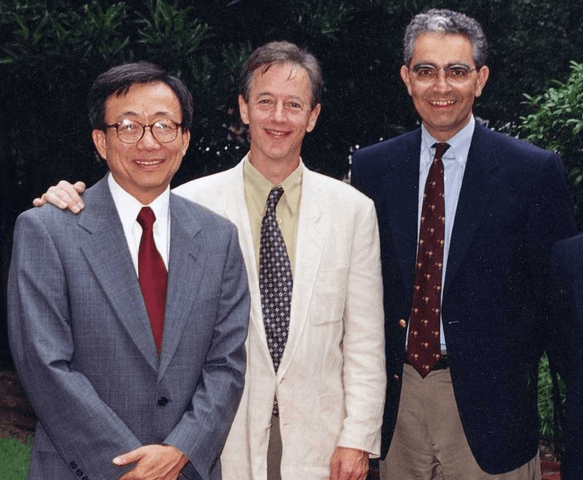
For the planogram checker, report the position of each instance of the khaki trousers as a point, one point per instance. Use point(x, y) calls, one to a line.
point(429, 442)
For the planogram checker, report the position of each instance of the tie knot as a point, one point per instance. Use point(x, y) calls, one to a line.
point(146, 218)
point(440, 149)
point(274, 197)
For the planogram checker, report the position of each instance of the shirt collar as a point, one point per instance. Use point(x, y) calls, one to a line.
point(459, 144)
point(255, 180)
point(128, 207)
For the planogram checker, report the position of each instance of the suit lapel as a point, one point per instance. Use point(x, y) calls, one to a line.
point(185, 272)
point(108, 255)
point(311, 237)
point(479, 182)
point(401, 194)
point(236, 210)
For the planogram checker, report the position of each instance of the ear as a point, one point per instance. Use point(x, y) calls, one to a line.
point(483, 75)
point(100, 142)
point(314, 117)
point(406, 78)
point(185, 141)
point(244, 110)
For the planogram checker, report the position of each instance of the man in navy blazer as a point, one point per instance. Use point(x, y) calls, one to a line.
point(114, 397)
point(474, 415)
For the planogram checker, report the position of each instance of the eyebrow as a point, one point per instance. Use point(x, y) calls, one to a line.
point(288, 97)
point(130, 113)
point(446, 66)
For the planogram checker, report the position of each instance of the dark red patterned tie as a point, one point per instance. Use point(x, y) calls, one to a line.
point(423, 348)
point(153, 276)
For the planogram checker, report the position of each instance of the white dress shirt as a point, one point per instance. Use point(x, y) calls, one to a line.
point(128, 209)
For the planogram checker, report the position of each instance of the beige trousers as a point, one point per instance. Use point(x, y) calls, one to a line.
point(429, 442)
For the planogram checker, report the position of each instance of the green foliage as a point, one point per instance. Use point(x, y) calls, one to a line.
point(557, 124)
point(172, 33)
point(55, 32)
point(325, 19)
point(14, 458)
point(545, 399)
point(51, 51)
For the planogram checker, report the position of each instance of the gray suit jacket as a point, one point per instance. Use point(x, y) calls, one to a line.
point(82, 343)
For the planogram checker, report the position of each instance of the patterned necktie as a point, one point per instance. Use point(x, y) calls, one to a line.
point(275, 282)
point(423, 348)
point(153, 276)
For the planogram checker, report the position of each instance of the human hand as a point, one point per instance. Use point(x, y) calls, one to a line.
point(153, 462)
point(63, 195)
point(348, 464)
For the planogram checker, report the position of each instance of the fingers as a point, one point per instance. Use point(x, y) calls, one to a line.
point(63, 195)
point(127, 458)
point(153, 462)
point(349, 464)
point(79, 186)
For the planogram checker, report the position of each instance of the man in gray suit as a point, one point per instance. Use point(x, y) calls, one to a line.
point(122, 386)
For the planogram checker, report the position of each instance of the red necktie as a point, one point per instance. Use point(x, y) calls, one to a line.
point(423, 348)
point(153, 276)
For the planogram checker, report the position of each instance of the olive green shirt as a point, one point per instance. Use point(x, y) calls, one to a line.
point(257, 189)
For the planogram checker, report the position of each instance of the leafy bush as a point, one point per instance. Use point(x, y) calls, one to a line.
point(557, 125)
point(546, 407)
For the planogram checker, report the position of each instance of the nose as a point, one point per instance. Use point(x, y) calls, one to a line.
point(441, 82)
point(279, 112)
point(148, 141)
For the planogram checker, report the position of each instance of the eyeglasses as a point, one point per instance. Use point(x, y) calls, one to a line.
point(425, 73)
point(131, 131)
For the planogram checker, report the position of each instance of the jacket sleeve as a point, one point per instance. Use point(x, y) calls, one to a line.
point(364, 372)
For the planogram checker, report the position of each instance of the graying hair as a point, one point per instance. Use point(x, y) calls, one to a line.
point(278, 53)
point(446, 21)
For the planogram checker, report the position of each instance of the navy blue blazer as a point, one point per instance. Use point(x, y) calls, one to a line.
point(514, 205)
point(567, 269)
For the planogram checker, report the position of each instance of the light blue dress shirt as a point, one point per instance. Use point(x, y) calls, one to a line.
point(454, 163)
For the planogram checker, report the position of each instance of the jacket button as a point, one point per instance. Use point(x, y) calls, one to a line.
point(403, 323)
point(163, 401)
point(73, 465)
point(79, 473)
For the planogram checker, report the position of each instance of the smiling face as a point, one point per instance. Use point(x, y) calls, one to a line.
point(279, 114)
point(143, 169)
point(444, 107)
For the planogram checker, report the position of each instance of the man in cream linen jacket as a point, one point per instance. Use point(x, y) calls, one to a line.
point(331, 381)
